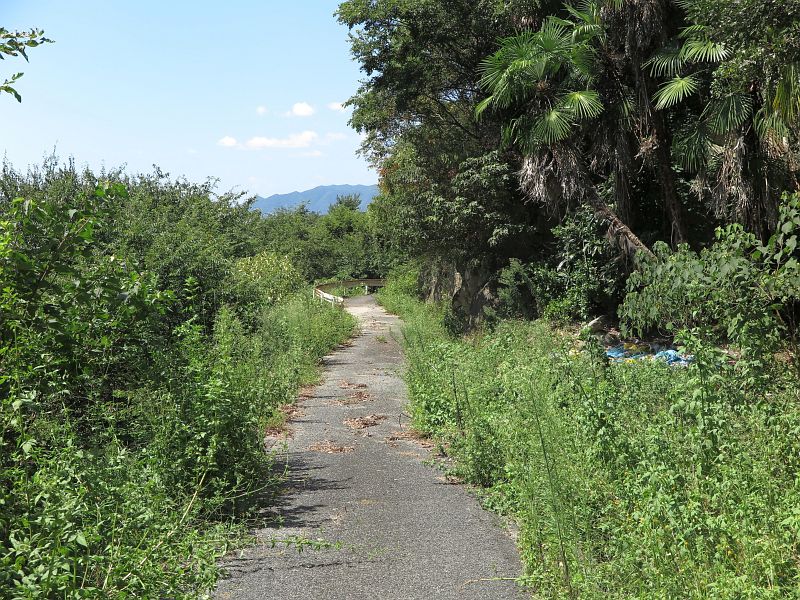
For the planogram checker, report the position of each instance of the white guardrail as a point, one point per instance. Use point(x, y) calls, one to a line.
point(324, 290)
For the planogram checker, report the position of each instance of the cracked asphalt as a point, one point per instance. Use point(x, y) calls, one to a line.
point(401, 530)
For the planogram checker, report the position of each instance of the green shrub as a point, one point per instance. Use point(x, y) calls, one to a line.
point(630, 480)
point(133, 413)
point(581, 278)
point(738, 291)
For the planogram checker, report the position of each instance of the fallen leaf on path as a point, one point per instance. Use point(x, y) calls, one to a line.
point(278, 432)
point(449, 480)
point(305, 393)
point(351, 399)
point(410, 435)
point(328, 447)
point(364, 422)
point(346, 385)
point(292, 411)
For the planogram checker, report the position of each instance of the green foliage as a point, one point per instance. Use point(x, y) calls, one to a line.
point(448, 191)
point(345, 243)
point(145, 347)
point(14, 44)
point(738, 290)
point(262, 281)
point(580, 280)
point(630, 480)
point(541, 71)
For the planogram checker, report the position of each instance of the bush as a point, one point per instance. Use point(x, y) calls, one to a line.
point(133, 414)
point(580, 279)
point(631, 480)
point(738, 291)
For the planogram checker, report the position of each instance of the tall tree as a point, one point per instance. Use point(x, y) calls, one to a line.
point(734, 72)
point(447, 189)
point(547, 83)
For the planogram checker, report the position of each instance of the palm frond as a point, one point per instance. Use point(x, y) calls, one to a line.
point(584, 104)
point(666, 63)
point(729, 113)
point(552, 126)
point(588, 23)
point(693, 31)
point(511, 73)
point(771, 127)
point(583, 60)
point(588, 13)
point(675, 90)
point(786, 100)
point(483, 105)
point(553, 37)
point(704, 50)
point(691, 147)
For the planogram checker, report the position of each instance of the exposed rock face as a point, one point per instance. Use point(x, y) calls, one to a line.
point(468, 288)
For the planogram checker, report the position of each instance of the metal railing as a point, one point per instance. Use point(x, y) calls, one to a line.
point(324, 290)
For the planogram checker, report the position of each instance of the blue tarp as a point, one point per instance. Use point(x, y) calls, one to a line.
point(629, 352)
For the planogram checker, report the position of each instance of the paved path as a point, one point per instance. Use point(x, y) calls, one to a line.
point(405, 532)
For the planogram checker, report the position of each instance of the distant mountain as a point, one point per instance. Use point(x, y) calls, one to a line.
point(318, 199)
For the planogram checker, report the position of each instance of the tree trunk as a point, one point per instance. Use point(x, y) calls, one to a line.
point(627, 240)
point(666, 178)
point(636, 50)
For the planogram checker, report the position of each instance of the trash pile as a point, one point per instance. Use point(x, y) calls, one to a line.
point(629, 352)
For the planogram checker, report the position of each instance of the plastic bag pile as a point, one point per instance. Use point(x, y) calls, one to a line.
point(628, 352)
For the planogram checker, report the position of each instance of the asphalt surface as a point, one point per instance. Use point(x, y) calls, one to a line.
point(403, 530)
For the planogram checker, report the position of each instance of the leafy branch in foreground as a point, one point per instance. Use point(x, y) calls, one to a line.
point(15, 44)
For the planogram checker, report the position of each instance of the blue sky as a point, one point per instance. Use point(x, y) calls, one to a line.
point(244, 91)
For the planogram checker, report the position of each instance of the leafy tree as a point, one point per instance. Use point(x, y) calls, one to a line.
point(448, 194)
point(548, 81)
point(735, 73)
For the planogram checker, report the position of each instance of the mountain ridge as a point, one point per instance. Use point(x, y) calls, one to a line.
point(316, 199)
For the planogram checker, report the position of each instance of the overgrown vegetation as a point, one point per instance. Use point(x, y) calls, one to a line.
point(631, 159)
point(344, 243)
point(501, 129)
point(634, 479)
point(147, 343)
point(564, 161)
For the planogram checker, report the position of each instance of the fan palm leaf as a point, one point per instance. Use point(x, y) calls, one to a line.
point(729, 113)
point(667, 63)
point(583, 104)
point(676, 90)
point(704, 50)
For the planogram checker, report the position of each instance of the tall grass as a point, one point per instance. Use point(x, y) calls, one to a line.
point(627, 480)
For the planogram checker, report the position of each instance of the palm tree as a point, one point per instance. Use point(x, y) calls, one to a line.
point(546, 83)
point(739, 138)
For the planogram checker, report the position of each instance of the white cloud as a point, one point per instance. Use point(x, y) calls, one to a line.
point(227, 142)
point(301, 109)
point(294, 140)
point(261, 110)
point(332, 137)
point(336, 106)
